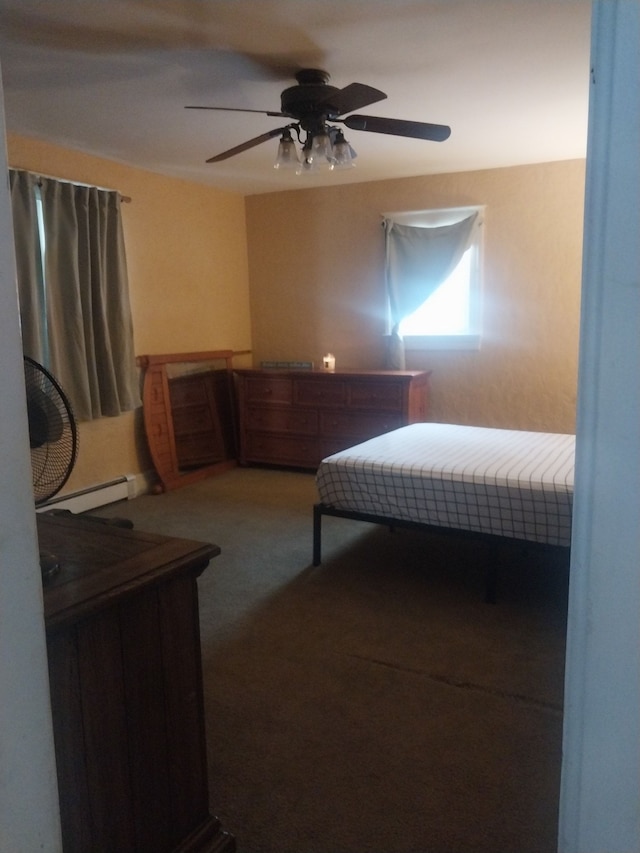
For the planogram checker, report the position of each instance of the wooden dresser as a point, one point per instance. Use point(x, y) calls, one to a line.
point(297, 417)
point(123, 643)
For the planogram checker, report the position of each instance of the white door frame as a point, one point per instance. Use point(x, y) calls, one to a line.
point(600, 789)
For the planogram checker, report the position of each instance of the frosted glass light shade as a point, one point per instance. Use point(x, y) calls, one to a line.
point(342, 153)
point(321, 148)
point(308, 163)
point(287, 157)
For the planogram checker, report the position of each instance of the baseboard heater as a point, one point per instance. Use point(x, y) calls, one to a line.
point(120, 489)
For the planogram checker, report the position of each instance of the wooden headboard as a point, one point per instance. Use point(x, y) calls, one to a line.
point(189, 415)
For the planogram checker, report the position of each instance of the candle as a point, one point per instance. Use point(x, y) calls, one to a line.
point(329, 361)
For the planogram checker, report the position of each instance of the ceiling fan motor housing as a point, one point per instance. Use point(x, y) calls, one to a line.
point(303, 101)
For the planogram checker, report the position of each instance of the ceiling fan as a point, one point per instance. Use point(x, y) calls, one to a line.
point(315, 106)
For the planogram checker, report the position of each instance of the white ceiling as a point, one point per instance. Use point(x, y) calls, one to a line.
point(112, 78)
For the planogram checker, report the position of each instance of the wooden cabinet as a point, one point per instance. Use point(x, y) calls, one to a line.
point(296, 418)
point(125, 674)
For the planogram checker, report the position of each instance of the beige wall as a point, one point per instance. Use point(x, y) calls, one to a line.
point(303, 276)
point(188, 278)
point(316, 272)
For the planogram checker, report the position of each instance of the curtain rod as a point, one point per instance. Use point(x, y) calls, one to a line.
point(123, 198)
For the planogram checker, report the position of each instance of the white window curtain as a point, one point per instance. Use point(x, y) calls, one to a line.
point(74, 293)
point(418, 260)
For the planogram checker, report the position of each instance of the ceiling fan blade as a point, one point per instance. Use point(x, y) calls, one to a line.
point(250, 143)
point(352, 97)
point(236, 110)
point(399, 127)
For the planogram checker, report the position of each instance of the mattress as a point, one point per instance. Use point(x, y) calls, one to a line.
point(509, 483)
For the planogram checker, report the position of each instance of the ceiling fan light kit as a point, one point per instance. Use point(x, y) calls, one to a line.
point(326, 148)
point(315, 106)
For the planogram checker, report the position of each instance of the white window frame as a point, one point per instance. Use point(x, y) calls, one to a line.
point(431, 218)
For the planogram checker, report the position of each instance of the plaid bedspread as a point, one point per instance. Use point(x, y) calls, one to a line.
point(509, 483)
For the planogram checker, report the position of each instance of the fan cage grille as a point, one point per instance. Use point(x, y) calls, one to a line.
point(53, 435)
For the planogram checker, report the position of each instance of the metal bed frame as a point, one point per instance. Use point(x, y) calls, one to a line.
point(493, 539)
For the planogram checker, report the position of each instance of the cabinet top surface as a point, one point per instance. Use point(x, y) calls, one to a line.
point(348, 373)
point(99, 562)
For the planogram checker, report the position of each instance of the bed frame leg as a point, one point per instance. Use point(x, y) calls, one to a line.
point(317, 534)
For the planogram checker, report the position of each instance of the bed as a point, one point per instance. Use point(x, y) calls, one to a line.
point(497, 483)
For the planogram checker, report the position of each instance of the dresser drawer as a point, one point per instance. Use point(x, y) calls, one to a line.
point(310, 392)
point(268, 389)
point(357, 425)
point(282, 450)
point(375, 395)
point(282, 419)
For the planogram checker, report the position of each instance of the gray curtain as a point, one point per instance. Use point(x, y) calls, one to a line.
point(418, 261)
point(89, 329)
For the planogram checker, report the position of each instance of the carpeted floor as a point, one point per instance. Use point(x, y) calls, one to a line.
point(374, 704)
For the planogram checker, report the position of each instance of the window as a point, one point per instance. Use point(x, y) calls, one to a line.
point(450, 315)
point(43, 329)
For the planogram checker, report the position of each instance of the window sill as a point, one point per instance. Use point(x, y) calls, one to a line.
point(441, 342)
